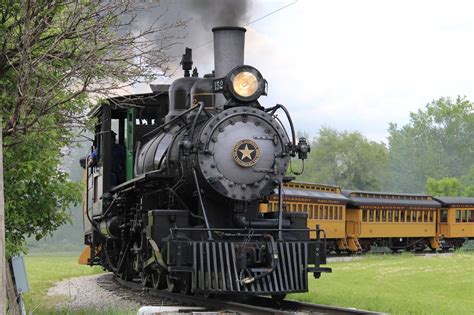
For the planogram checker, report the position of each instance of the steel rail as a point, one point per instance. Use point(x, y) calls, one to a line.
point(252, 305)
point(303, 307)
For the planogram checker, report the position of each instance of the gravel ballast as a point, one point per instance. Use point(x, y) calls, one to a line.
point(85, 293)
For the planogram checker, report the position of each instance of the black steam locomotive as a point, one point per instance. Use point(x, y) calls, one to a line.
point(176, 178)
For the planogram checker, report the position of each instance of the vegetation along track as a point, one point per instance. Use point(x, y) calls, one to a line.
point(134, 291)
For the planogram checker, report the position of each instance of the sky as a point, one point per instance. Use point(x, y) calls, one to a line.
point(356, 65)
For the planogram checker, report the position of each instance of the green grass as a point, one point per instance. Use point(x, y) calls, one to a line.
point(405, 284)
point(44, 271)
point(402, 284)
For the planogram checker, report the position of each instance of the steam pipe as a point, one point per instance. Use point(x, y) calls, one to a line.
point(201, 202)
point(280, 211)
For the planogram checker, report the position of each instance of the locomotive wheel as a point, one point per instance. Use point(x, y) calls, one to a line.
point(127, 273)
point(157, 280)
point(145, 278)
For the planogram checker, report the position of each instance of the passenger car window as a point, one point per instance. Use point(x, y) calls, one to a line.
point(458, 216)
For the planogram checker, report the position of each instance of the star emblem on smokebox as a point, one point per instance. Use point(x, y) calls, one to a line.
point(246, 153)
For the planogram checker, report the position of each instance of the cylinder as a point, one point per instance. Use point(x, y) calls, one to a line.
point(110, 228)
point(229, 44)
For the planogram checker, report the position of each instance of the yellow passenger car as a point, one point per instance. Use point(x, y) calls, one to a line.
point(397, 221)
point(456, 220)
point(324, 204)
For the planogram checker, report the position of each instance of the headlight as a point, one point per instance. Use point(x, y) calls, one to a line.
point(245, 83)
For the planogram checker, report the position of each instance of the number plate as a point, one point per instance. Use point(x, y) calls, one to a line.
point(218, 85)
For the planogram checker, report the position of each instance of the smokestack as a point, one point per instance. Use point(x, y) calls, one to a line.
point(228, 49)
point(229, 42)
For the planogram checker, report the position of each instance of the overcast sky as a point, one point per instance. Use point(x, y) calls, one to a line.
point(358, 65)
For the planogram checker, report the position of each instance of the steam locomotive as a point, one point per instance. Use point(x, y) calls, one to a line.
point(176, 178)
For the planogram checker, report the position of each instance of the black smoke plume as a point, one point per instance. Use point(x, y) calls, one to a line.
point(211, 13)
point(200, 16)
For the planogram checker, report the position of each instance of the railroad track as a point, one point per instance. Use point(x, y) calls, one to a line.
point(254, 305)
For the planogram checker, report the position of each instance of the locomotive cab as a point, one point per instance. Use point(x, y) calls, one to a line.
point(120, 123)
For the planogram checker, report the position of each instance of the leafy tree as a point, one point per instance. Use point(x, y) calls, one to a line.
point(450, 186)
point(55, 57)
point(346, 159)
point(437, 142)
point(447, 186)
point(38, 193)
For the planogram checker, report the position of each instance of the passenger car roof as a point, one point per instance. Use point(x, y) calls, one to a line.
point(451, 201)
point(367, 198)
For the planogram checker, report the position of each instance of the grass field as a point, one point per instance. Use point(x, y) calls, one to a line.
point(403, 284)
point(45, 270)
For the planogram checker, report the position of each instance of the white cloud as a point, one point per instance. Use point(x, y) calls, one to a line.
point(359, 65)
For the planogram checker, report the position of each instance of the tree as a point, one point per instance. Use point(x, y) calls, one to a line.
point(3, 277)
point(443, 187)
point(346, 159)
point(437, 142)
point(56, 57)
point(451, 186)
